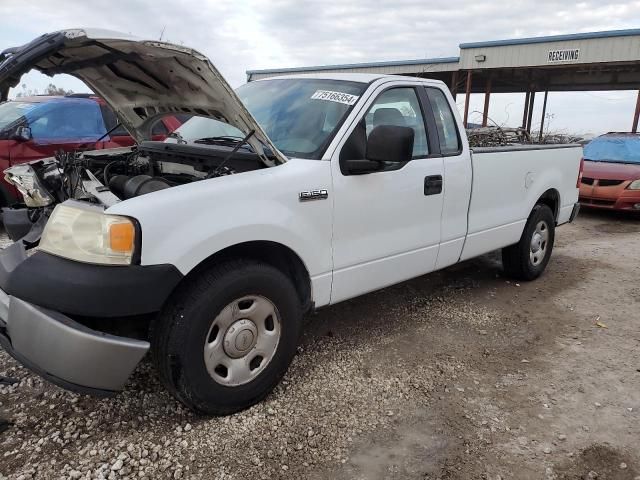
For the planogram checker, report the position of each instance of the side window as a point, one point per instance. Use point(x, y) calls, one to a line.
point(110, 121)
point(399, 107)
point(159, 128)
point(68, 121)
point(445, 122)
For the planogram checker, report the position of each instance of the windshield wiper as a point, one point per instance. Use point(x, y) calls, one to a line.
point(223, 140)
point(237, 143)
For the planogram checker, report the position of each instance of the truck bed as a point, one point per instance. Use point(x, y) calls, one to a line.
point(518, 148)
point(507, 183)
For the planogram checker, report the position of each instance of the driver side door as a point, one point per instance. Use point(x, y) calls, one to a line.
point(386, 225)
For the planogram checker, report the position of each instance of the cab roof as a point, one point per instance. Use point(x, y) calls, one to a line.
point(351, 77)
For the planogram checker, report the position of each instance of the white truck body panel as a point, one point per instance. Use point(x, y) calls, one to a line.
point(185, 225)
point(457, 192)
point(375, 230)
point(377, 240)
point(499, 208)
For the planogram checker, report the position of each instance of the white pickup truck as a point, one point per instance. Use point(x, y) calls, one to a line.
point(208, 250)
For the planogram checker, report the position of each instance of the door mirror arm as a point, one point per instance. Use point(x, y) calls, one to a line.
point(363, 166)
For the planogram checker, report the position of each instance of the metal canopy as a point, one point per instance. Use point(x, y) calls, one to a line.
point(566, 78)
point(592, 61)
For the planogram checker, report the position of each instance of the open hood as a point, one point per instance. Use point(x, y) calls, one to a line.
point(142, 80)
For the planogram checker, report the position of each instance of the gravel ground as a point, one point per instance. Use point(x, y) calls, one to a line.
point(455, 375)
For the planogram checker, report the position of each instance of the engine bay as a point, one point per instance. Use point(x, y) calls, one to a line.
point(106, 177)
point(109, 176)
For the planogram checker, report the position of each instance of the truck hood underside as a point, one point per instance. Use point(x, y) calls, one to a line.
point(141, 80)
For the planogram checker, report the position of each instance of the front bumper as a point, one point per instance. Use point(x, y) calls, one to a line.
point(86, 290)
point(55, 346)
point(65, 352)
point(628, 204)
point(617, 197)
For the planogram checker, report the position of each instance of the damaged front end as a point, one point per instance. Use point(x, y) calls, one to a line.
point(26, 221)
point(106, 177)
point(141, 81)
point(69, 310)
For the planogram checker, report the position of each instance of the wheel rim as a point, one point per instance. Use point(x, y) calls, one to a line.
point(242, 340)
point(539, 243)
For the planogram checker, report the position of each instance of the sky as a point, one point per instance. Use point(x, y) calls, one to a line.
point(242, 35)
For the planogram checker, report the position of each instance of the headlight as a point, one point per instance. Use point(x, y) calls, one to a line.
point(635, 185)
point(28, 184)
point(86, 234)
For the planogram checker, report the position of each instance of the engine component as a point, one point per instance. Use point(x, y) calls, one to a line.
point(108, 176)
point(96, 189)
point(128, 187)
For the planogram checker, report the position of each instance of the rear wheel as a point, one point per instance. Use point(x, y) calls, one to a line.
point(527, 259)
point(227, 336)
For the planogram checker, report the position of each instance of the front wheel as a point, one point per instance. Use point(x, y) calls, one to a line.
point(227, 337)
point(527, 259)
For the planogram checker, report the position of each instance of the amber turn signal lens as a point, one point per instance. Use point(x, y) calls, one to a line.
point(121, 237)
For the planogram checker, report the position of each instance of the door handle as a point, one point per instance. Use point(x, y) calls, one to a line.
point(433, 185)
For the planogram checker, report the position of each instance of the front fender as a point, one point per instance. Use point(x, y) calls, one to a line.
point(185, 225)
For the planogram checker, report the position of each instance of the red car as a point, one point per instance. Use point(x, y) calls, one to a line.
point(36, 127)
point(611, 175)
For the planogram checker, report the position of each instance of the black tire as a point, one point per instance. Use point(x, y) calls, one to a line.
point(517, 259)
point(179, 334)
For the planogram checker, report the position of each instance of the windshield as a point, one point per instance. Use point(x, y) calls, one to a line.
point(300, 116)
point(11, 112)
point(615, 149)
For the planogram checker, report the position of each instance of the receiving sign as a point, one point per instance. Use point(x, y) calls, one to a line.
point(566, 55)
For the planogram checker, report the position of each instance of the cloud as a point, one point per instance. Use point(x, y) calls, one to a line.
point(241, 35)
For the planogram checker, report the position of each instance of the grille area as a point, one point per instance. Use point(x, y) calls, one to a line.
point(587, 180)
point(595, 201)
point(609, 183)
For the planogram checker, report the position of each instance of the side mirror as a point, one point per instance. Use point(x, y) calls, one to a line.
point(22, 134)
point(386, 144)
point(389, 143)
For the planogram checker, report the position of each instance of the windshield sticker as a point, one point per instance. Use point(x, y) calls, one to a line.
point(337, 97)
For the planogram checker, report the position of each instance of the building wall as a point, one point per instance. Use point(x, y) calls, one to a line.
point(596, 50)
point(615, 48)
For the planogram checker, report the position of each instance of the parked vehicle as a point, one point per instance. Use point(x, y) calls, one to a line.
point(62, 174)
point(611, 177)
point(37, 127)
point(333, 186)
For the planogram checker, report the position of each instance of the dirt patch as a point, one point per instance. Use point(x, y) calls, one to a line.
point(600, 462)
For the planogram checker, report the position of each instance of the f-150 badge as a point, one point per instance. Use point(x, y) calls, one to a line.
point(313, 195)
